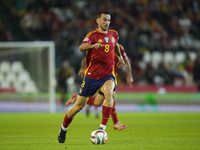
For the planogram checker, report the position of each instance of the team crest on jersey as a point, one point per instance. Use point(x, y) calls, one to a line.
point(106, 39)
point(112, 39)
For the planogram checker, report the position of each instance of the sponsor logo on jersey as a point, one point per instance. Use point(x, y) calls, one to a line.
point(100, 40)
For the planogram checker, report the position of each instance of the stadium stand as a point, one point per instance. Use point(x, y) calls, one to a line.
point(15, 78)
point(149, 30)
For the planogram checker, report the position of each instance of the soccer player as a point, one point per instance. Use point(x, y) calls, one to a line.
point(100, 46)
point(62, 74)
point(98, 99)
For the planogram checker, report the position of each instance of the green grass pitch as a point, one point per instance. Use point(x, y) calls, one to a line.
point(152, 131)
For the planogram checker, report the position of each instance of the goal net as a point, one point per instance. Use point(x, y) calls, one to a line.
point(27, 77)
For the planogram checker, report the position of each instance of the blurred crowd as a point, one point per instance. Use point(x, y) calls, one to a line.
point(143, 26)
point(5, 34)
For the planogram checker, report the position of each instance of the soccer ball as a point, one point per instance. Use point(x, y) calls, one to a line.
point(99, 137)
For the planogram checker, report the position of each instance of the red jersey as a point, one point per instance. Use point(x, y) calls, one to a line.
point(117, 59)
point(100, 62)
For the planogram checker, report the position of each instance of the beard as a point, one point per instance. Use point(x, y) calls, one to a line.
point(104, 28)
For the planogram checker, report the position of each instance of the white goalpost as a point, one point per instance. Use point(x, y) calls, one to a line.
point(27, 76)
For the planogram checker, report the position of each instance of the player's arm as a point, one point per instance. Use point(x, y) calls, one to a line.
point(129, 78)
point(86, 46)
point(121, 60)
point(83, 67)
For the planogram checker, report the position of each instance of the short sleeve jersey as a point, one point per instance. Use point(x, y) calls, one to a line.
point(100, 62)
point(117, 59)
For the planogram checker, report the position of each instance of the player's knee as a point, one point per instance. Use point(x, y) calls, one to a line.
point(98, 104)
point(78, 108)
point(108, 94)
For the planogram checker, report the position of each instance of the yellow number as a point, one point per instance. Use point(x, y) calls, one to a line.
point(106, 48)
point(83, 84)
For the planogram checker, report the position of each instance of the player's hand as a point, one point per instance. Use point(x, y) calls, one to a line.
point(121, 63)
point(129, 81)
point(81, 72)
point(98, 45)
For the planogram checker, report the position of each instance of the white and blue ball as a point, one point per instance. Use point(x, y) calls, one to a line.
point(99, 137)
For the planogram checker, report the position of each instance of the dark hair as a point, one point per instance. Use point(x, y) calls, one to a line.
point(102, 12)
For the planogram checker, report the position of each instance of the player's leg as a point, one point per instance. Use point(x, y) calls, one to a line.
point(71, 100)
point(89, 87)
point(96, 112)
point(65, 88)
point(107, 90)
point(63, 92)
point(89, 103)
point(88, 110)
point(117, 125)
point(62, 95)
point(97, 101)
point(79, 104)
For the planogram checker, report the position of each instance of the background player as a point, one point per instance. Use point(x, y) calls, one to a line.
point(62, 75)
